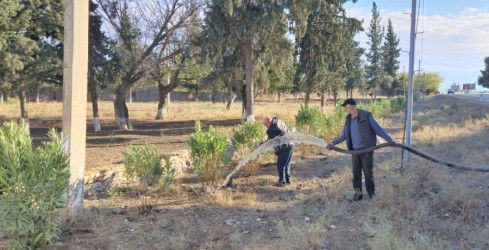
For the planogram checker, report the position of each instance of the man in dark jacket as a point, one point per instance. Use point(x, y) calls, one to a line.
point(360, 131)
point(276, 127)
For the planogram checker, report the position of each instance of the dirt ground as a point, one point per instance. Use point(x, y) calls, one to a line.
point(104, 148)
point(312, 213)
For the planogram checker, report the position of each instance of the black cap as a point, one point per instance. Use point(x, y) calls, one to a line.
point(350, 101)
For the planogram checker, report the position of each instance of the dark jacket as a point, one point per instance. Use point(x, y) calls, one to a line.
point(277, 128)
point(369, 138)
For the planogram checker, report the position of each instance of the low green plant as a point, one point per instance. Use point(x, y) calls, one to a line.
point(246, 136)
point(208, 153)
point(335, 122)
point(144, 164)
point(168, 172)
point(32, 186)
point(310, 120)
point(398, 104)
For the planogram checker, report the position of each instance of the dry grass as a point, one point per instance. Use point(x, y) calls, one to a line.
point(147, 111)
point(429, 207)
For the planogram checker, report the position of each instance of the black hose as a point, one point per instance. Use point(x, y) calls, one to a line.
point(281, 140)
point(448, 164)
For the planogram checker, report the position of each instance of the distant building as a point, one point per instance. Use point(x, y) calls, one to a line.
point(455, 87)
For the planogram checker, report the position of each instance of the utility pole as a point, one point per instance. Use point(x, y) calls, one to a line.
point(75, 70)
point(409, 115)
point(424, 85)
point(404, 81)
point(419, 89)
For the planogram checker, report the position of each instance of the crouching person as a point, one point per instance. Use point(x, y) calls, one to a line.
point(276, 127)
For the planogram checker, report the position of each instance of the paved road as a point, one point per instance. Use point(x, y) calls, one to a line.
point(477, 96)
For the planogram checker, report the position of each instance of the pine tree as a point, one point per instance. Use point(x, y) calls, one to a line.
point(373, 69)
point(324, 50)
point(31, 49)
point(484, 78)
point(391, 51)
point(390, 56)
point(245, 41)
point(354, 66)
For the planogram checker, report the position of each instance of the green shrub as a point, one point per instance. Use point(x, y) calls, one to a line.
point(246, 136)
point(168, 172)
point(335, 122)
point(398, 103)
point(143, 164)
point(208, 153)
point(32, 186)
point(310, 120)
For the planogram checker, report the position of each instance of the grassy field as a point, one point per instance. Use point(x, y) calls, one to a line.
point(429, 206)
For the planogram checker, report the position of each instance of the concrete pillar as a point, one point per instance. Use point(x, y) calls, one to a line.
point(75, 70)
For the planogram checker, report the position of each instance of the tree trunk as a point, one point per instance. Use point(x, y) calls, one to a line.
point(5, 95)
point(231, 100)
point(1, 97)
point(279, 97)
point(37, 96)
point(243, 103)
point(163, 100)
point(120, 108)
point(164, 92)
point(94, 97)
point(23, 111)
point(308, 94)
point(162, 107)
point(322, 103)
point(168, 101)
point(249, 80)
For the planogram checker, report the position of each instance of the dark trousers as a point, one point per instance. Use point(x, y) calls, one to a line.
point(284, 158)
point(363, 163)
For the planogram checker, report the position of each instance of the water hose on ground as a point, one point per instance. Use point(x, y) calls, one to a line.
point(300, 138)
point(414, 151)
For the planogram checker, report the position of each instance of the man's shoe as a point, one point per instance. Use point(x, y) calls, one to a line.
point(280, 184)
point(356, 197)
point(371, 196)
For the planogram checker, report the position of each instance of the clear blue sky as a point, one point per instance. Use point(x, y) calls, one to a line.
point(454, 39)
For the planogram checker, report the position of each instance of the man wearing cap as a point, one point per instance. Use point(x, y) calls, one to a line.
point(360, 132)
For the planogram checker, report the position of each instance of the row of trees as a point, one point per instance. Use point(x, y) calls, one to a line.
point(243, 47)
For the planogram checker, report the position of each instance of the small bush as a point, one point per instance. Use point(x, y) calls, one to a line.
point(144, 165)
point(246, 136)
point(335, 122)
point(398, 103)
point(32, 184)
point(310, 120)
point(208, 152)
point(168, 172)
